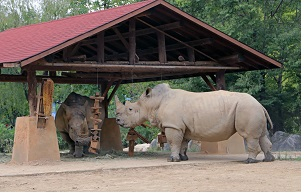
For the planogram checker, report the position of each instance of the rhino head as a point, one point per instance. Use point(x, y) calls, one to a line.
point(77, 126)
point(128, 115)
point(145, 109)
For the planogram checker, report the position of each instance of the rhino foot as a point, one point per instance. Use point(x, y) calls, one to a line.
point(173, 159)
point(77, 155)
point(268, 157)
point(250, 160)
point(183, 158)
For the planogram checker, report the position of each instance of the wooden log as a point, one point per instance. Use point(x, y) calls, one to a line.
point(32, 91)
point(100, 47)
point(220, 80)
point(208, 82)
point(162, 56)
point(132, 41)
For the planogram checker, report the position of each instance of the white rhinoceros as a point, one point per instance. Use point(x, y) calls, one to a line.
point(73, 121)
point(207, 116)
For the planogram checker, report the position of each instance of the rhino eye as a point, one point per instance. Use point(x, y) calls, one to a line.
point(130, 109)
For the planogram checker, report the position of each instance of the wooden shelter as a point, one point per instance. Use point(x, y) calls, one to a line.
point(145, 41)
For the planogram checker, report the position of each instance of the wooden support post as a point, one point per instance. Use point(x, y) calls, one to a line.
point(100, 47)
point(161, 47)
point(132, 41)
point(32, 91)
point(191, 55)
point(220, 80)
point(131, 137)
point(67, 53)
point(208, 82)
point(104, 103)
point(114, 90)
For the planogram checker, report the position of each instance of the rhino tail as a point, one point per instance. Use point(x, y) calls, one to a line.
point(268, 118)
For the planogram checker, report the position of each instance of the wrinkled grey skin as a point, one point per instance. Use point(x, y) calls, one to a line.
point(74, 123)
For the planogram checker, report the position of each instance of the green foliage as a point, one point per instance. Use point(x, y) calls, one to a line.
point(63, 145)
point(6, 139)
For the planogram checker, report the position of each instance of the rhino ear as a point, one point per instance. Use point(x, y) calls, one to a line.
point(64, 106)
point(149, 92)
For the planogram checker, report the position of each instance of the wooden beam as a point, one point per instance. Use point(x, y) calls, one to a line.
point(111, 67)
point(232, 59)
point(106, 90)
point(208, 82)
point(132, 41)
point(187, 45)
point(220, 80)
point(162, 56)
point(142, 32)
point(100, 47)
point(149, 51)
point(114, 90)
point(121, 38)
point(191, 55)
point(11, 65)
point(32, 91)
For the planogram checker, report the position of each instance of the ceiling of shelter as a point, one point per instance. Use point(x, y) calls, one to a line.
point(192, 48)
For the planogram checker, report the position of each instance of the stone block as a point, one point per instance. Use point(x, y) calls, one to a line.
point(35, 144)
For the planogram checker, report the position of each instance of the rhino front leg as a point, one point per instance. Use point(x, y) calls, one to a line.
point(174, 138)
point(66, 137)
point(183, 151)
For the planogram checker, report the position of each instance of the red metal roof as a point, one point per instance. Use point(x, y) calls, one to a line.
point(20, 43)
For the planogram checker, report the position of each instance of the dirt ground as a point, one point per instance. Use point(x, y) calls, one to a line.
point(151, 172)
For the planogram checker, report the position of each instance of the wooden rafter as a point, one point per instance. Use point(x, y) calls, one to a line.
point(177, 46)
point(187, 45)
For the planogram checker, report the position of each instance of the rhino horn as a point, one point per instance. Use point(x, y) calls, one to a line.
point(117, 102)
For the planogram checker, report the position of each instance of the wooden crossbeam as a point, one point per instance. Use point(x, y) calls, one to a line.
point(182, 42)
point(201, 42)
point(121, 38)
point(208, 82)
point(141, 32)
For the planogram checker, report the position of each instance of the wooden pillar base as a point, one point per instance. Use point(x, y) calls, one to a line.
point(35, 144)
point(110, 136)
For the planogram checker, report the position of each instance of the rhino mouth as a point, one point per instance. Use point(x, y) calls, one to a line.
point(82, 141)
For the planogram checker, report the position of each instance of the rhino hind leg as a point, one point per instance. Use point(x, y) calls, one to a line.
point(174, 138)
point(183, 151)
point(254, 149)
point(266, 147)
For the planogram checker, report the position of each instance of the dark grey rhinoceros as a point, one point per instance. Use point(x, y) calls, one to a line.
point(73, 121)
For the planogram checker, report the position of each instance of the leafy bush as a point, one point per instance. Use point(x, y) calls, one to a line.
point(63, 145)
point(6, 139)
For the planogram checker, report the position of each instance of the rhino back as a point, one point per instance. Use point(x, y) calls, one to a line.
point(203, 116)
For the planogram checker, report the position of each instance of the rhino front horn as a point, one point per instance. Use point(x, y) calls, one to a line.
point(117, 102)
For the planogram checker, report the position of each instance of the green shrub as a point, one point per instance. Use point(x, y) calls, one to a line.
point(6, 139)
point(63, 145)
